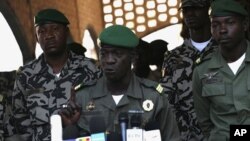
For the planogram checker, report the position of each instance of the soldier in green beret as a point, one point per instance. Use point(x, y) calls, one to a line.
point(119, 90)
point(221, 83)
point(180, 62)
point(43, 86)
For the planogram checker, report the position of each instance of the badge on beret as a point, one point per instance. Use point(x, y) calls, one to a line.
point(90, 106)
point(148, 105)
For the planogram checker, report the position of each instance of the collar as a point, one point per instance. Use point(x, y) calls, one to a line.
point(133, 91)
point(217, 59)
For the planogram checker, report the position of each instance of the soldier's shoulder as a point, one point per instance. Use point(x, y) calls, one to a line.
point(27, 68)
point(200, 61)
point(151, 85)
point(206, 56)
point(84, 85)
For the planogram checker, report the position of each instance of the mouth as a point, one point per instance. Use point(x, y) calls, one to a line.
point(190, 20)
point(224, 40)
point(50, 44)
point(109, 71)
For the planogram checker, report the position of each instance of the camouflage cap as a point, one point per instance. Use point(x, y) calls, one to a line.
point(119, 36)
point(50, 15)
point(195, 3)
point(227, 8)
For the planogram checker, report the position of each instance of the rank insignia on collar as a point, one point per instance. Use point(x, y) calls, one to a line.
point(197, 61)
point(210, 75)
point(147, 105)
point(90, 106)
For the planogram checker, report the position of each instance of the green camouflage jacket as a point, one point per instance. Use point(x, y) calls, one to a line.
point(178, 67)
point(38, 93)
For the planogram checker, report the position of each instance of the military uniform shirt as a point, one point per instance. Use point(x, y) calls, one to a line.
point(220, 97)
point(178, 66)
point(38, 93)
point(139, 91)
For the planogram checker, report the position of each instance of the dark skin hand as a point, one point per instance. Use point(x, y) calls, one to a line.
point(70, 114)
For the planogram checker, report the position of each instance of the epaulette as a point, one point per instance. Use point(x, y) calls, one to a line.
point(159, 88)
point(78, 87)
point(153, 85)
point(84, 85)
point(200, 61)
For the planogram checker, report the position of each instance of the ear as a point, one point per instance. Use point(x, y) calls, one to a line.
point(36, 35)
point(246, 24)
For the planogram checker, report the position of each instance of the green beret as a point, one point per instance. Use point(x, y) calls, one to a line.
point(50, 15)
point(195, 3)
point(120, 36)
point(227, 8)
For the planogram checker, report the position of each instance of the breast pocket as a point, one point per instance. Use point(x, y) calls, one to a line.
point(216, 93)
point(209, 90)
point(37, 104)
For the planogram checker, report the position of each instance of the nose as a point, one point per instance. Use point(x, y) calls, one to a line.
point(110, 59)
point(49, 34)
point(223, 29)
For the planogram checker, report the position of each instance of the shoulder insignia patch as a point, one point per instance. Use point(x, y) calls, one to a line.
point(84, 85)
point(78, 87)
point(159, 88)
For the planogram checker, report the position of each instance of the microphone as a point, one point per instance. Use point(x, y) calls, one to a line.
point(97, 128)
point(114, 136)
point(135, 121)
point(152, 132)
point(123, 121)
point(56, 128)
point(70, 132)
point(136, 133)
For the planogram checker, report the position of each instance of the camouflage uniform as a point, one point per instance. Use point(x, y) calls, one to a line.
point(38, 93)
point(6, 87)
point(177, 81)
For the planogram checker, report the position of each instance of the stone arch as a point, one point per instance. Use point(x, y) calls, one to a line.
point(18, 32)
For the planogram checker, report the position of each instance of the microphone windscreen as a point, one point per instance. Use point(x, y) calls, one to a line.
point(97, 124)
point(152, 125)
point(123, 117)
point(56, 127)
point(70, 132)
point(114, 136)
point(135, 120)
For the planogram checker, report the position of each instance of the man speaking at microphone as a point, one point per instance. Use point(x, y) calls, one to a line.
point(119, 90)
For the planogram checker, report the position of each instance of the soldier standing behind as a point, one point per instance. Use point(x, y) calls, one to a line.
point(221, 84)
point(119, 90)
point(44, 85)
point(178, 66)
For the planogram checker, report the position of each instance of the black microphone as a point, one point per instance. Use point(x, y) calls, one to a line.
point(135, 121)
point(70, 132)
point(136, 133)
point(97, 128)
point(97, 124)
point(123, 121)
point(114, 136)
